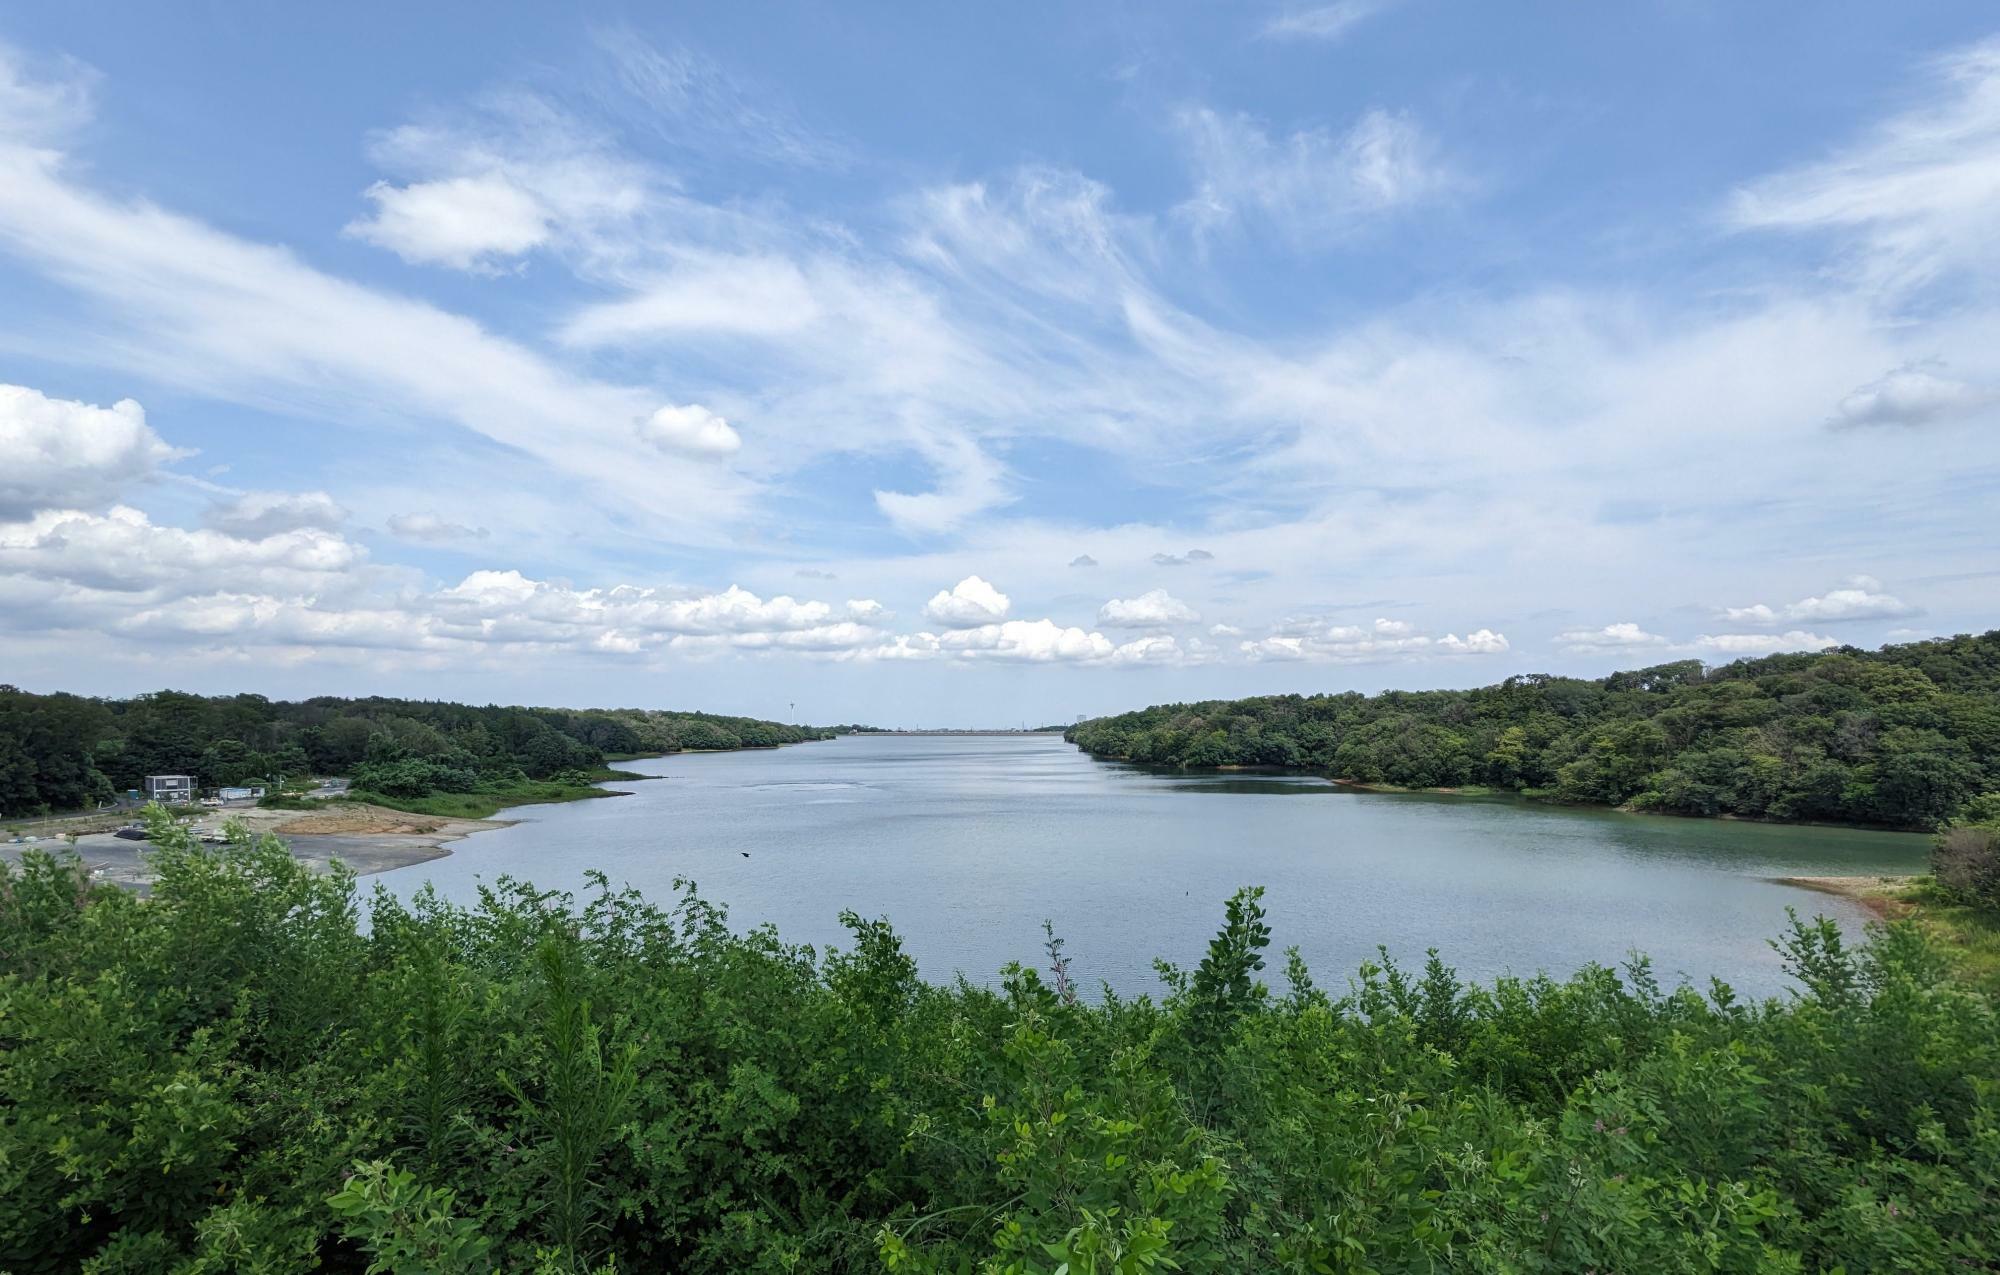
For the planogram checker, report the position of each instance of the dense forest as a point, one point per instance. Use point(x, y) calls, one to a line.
point(67, 752)
point(1904, 737)
point(236, 1076)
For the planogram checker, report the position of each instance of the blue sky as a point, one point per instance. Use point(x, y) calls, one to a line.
point(991, 364)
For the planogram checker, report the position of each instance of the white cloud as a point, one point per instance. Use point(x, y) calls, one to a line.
point(692, 429)
point(1182, 559)
point(1083, 560)
point(1326, 22)
point(1311, 184)
point(1160, 648)
point(1478, 642)
point(1155, 608)
point(968, 604)
point(762, 296)
point(697, 104)
point(1385, 639)
point(43, 111)
point(1913, 396)
point(464, 222)
point(1623, 634)
point(232, 318)
point(257, 514)
point(1916, 195)
point(1032, 641)
point(866, 610)
point(969, 482)
point(1757, 613)
point(1739, 644)
point(1861, 598)
point(123, 551)
point(58, 453)
point(430, 528)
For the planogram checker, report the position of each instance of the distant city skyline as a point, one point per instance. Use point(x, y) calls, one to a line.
point(971, 368)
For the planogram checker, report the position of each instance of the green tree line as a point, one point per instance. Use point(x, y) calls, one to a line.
point(66, 752)
point(236, 1075)
point(1902, 737)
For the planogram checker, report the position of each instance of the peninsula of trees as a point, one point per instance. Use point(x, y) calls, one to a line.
point(67, 752)
point(1904, 737)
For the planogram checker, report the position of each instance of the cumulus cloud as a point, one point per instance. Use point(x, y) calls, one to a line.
point(969, 603)
point(1153, 609)
point(866, 610)
point(1860, 598)
point(1619, 636)
point(1083, 560)
point(1037, 641)
point(464, 222)
point(1913, 396)
point(123, 551)
point(429, 528)
point(1739, 644)
point(1031, 642)
point(256, 514)
point(692, 429)
point(1477, 642)
point(1385, 639)
point(59, 453)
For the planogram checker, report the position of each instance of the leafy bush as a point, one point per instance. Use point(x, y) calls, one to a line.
point(1965, 859)
point(235, 1075)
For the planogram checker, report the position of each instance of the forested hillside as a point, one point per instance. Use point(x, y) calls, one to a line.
point(1904, 736)
point(64, 752)
point(235, 1076)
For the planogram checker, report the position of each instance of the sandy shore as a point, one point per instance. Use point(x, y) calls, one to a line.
point(367, 839)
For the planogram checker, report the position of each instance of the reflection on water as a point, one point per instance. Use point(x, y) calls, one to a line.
point(967, 843)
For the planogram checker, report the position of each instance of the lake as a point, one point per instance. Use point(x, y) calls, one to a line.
point(967, 842)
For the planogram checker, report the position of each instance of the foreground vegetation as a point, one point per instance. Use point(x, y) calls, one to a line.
point(235, 1076)
point(1901, 737)
point(68, 752)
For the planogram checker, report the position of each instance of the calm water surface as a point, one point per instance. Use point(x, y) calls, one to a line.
point(967, 843)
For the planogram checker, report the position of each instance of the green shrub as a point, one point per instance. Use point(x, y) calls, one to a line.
point(236, 1075)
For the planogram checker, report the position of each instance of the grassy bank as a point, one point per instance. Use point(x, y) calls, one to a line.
point(1968, 936)
point(489, 801)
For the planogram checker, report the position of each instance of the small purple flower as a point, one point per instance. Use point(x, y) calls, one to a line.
point(1598, 1125)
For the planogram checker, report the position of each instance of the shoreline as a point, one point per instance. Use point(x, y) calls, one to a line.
point(1881, 896)
point(368, 839)
point(1479, 792)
